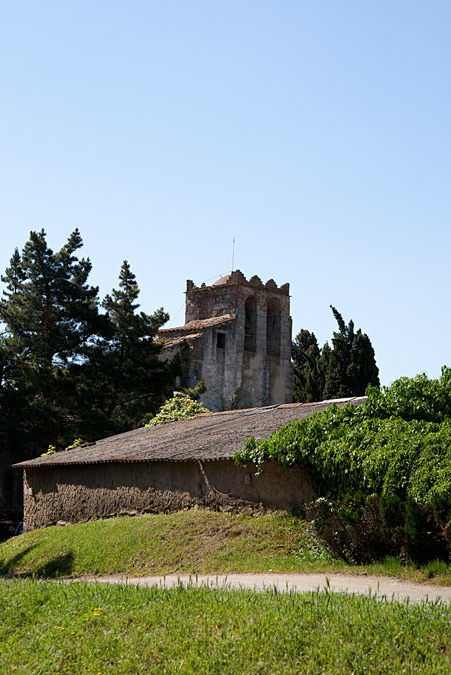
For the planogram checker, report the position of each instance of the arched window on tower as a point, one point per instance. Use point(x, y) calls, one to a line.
point(273, 327)
point(250, 324)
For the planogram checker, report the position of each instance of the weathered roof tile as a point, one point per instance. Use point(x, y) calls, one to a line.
point(210, 436)
point(197, 325)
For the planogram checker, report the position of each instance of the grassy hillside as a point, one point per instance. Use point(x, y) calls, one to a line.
point(188, 541)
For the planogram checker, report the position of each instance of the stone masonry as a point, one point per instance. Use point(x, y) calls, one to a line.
point(237, 337)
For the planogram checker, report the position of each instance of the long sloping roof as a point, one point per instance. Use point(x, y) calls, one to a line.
point(210, 436)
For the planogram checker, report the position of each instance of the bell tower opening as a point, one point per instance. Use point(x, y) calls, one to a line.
point(273, 327)
point(250, 324)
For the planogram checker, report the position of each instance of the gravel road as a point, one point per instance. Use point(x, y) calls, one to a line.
point(298, 583)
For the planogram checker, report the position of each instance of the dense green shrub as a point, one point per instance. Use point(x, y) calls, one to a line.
point(397, 445)
point(415, 398)
point(362, 529)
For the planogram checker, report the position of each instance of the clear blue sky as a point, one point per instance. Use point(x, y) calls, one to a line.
point(318, 134)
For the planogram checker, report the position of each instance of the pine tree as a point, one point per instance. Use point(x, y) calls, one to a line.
point(69, 366)
point(49, 313)
point(67, 369)
point(127, 379)
point(48, 308)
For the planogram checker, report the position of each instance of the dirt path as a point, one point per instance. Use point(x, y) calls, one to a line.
point(299, 583)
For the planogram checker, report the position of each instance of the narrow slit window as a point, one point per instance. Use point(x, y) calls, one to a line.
point(220, 340)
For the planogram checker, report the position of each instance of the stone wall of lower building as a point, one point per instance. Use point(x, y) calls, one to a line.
point(78, 493)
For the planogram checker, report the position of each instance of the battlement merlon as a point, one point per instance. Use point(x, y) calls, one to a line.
point(237, 278)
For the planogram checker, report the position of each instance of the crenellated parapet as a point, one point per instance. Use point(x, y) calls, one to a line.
point(237, 278)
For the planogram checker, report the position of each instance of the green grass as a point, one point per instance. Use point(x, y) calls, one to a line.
point(48, 627)
point(189, 541)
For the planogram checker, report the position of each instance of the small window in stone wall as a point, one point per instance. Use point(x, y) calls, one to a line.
point(220, 340)
point(273, 328)
point(250, 324)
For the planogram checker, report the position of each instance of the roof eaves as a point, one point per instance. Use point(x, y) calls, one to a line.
point(198, 325)
point(122, 460)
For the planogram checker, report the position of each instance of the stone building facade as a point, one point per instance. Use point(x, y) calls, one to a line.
point(237, 338)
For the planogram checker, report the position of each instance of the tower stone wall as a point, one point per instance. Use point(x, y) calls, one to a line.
point(245, 362)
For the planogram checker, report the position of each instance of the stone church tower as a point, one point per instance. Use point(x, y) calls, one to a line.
point(237, 337)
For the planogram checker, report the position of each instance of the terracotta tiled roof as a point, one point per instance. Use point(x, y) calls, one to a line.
point(223, 280)
point(197, 325)
point(210, 436)
point(170, 342)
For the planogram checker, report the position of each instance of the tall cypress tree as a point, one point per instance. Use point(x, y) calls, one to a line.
point(362, 370)
point(344, 370)
point(308, 384)
point(336, 378)
point(323, 365)
point(352, 365)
